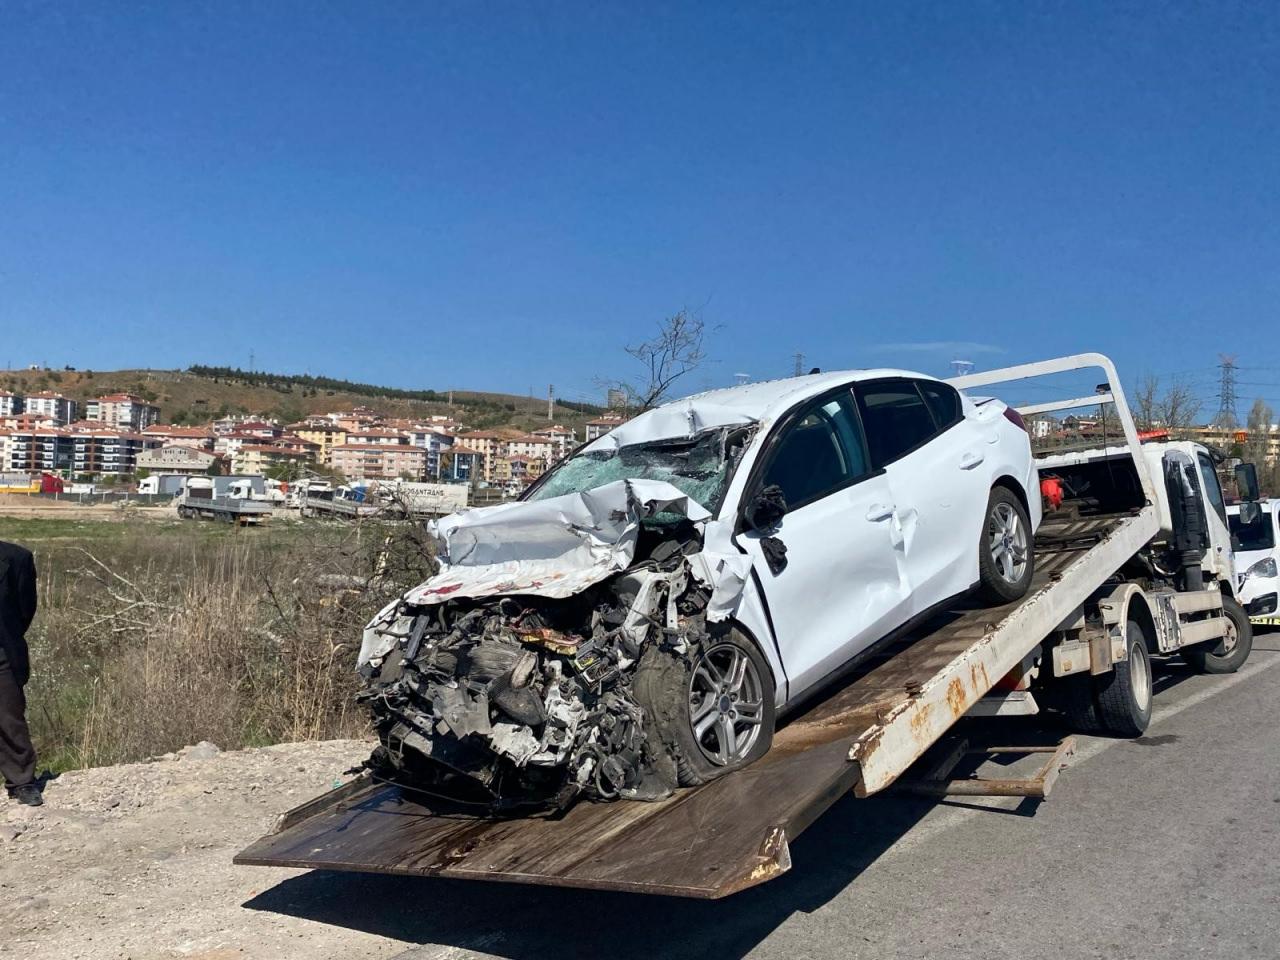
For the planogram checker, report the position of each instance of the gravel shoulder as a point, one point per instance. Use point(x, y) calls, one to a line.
point(135, 860)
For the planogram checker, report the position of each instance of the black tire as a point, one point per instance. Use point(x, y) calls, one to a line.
point(665, 687)
point(1125, 694)
point(1224, 656)
point(1118, 702)
point(995, 585)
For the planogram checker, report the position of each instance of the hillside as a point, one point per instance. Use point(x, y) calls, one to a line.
point(185, 397)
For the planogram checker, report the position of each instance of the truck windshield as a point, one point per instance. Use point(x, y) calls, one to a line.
point(1259, 535)
point(697, 466)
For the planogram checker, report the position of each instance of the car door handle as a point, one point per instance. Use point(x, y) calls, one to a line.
point(879, 511)
point(971, 460)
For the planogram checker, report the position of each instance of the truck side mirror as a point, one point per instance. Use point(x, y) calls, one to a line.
point(1247, 481)
point(766, 508)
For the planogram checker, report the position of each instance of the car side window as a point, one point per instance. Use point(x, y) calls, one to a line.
point(896, 419)
point(943, 401)
point(819, 452)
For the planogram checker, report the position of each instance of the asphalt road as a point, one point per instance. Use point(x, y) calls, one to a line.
point(1166, 846)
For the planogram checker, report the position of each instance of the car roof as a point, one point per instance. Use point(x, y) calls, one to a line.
point(768, 398)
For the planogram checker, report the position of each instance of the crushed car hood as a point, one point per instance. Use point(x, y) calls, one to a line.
point(550, 548)
point(560, 546)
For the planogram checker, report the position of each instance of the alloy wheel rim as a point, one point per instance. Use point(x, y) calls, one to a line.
point(726, 704)
point(1008, 542)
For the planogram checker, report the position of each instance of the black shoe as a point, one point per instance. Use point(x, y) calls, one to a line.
point(28, 793)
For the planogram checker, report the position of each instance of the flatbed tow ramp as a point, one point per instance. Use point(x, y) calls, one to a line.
point(735, 832)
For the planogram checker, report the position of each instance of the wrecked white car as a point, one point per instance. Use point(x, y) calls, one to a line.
point(643, 617)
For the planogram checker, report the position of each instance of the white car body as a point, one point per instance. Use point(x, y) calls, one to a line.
point(892, 540)
point(1258, 559)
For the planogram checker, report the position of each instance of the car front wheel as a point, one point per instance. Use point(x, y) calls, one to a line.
point(713, 710)
point(1006, 553)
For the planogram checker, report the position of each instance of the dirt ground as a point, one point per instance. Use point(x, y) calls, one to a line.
point(24, 507)
point(134, 861)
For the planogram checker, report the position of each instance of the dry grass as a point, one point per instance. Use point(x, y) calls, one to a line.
point(160, 637)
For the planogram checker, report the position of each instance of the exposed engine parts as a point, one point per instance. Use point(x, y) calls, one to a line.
point(519, 701)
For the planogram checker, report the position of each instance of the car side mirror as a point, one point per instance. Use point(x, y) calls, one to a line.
point(766, 509)
point(1247, 481)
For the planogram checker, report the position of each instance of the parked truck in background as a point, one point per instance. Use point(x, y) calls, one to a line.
point(240, 500)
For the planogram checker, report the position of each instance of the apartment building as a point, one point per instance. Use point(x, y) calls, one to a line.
point(598, 427)
point(100, 450)
point(377, 435)
point(435, 441)
point(459, 465)
point(258, 458)
point(324, 433)
point(518, 470)
point(10, 404)
point(562, 440)
point(48, 404)
point(124, 411)
point(530, 445)
point(178, 459)
point(379, 461)
point(487, 443)
point(33, 450)
point(197, 438)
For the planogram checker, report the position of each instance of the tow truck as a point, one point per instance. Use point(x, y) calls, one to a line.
point(1133, 563)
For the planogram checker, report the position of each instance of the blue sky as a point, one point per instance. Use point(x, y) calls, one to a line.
point(500, 196)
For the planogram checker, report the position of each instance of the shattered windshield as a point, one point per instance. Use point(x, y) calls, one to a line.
point(699, 466)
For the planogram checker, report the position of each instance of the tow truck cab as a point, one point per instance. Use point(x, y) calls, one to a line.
point(1192, 511)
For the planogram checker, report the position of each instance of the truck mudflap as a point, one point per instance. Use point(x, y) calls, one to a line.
point(735, 832)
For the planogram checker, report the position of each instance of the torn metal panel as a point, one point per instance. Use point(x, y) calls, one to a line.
point(684, 418)
point(548, 548)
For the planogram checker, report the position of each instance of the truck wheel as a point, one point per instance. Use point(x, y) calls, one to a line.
point(713, 710)
point(1006, 554)
point(1117, 702)
point(1125, 694)
point(1228, 654)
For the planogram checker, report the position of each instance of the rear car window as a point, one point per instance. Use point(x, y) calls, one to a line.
point(943, 401)
point(895, 417)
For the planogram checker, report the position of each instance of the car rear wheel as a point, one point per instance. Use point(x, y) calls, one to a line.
point(1006, 554)
point(713, 709)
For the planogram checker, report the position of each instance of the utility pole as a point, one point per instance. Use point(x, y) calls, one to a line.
point(1226, 418)
point(799, 367)
point(551, 393)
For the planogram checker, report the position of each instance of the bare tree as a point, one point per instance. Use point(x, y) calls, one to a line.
point(1261, 416)
point(1179, 406)
point(1174, 408)
point(1146, 402)
point(677, 349)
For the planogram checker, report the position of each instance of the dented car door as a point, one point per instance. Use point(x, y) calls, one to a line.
point(839, 585)
point(935, 463)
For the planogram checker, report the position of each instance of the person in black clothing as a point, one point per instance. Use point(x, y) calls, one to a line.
point(17, 608)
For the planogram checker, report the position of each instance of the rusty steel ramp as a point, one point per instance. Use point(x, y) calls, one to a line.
point(733, 833)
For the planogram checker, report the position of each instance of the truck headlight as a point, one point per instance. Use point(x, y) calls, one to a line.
point(1265, 567)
